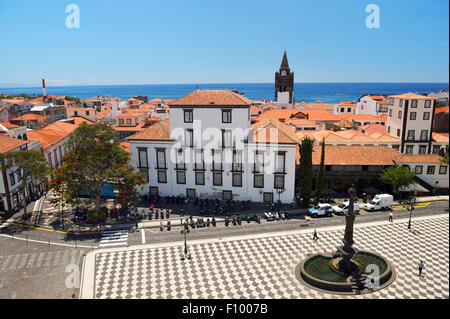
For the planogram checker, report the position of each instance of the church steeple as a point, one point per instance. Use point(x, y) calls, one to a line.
point(284, 83)
point(284, 62)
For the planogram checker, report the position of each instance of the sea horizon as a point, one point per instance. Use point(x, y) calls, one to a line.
point(303, 91)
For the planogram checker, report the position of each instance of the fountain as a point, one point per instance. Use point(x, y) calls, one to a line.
point(347, 270)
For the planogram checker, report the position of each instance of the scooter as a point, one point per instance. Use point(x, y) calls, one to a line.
point(257, 219)
point(277, 216)
point(161, 226)
point(269, 216)
point(282, 216)
point(167, 214)
point(239, 220)
point(248, 219)
point(207, 222)
point(168, 225)
point(234, 220)
point(227, 221)
point(213, 222)
point(287, 215)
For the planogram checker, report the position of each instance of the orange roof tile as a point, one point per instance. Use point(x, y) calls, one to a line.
point(29, 116)
point(359, 117)
point(373, 128)
point(412, 96)
point(419, 158)
point(125, 146)
point(440, 137)
point(270, 130)
point(441, 109)
point(129, 114)
point(78, 120)
point(8, 143)
point(212, 97)
point(137, 128)
point(356, 155)
point(9, 125)
point(159, 131)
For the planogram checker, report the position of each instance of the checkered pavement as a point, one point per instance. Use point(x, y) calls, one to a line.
point(264, 267)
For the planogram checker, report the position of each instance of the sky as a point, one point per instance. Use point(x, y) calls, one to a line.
point(216, 41)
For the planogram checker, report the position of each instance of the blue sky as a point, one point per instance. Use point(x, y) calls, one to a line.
point(196, 41)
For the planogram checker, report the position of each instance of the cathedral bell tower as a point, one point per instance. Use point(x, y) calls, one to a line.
point(284, 83)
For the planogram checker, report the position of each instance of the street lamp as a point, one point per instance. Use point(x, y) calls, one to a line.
point(184, 231)
point(279, 191)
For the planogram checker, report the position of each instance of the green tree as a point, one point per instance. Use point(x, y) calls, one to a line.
point(398, 177)
point(320, 174)
point(306, 149)
point(94, 159)
point(445, 159)
point(32, 166)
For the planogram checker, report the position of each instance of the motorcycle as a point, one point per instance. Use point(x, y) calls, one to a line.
point(248, 219)
point(287, 215)
point(277, 216)
point(227, 221)
point(207, 222)
point(167, 214)
point(213, 222)
point(239, 220)
point(161, 226)
point(269, 216)
point(257, 219)
point(282, 216)
point(168, 225)
point(234, 221)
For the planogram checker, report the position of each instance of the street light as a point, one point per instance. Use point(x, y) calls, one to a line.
point(184, 231)
point(279, 191)
point(412, 202)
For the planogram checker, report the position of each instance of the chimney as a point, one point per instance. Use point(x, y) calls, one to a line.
point(43, 87)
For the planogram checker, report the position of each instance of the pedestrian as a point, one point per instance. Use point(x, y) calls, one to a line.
point(315, 237)
point(391, 217)
point(421, 267)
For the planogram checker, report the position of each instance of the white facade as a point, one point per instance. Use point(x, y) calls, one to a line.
point(211, 154)
point(435, 174)
point(374, 105)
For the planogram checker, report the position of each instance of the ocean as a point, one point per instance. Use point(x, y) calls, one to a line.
point(310, 92)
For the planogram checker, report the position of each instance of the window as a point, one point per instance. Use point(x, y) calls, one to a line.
point(180, 159)
point(278, 181)
point(268, 197)
point(389, 129)
point(189, 138)
point(427, 103)
point(12, 179)
point(412, 115)
point(279, 162)
point(342, 110)
point(87, 113)
point(442, 169)
point(160, 158)
point(436, 149)
point(423, 135)
point(144, 174)
point(217, 179)
point(162, 176)
point(190, 192)
point(430, 169)
point(143, 161)
point(199, 164)
point(237, 180)
point(391, 101)
point(390, 112)
point(75, 113)
point(217, 160)
point(199, 178)
point(258, 166)
point(226, 116)
point(398, 132)
point(409, 149)
point(226, 138)
point(400, 104)
point(422, 149)
point(258, 180)
point(418, 169)
point(129, 121)
point(411, 134)
point(237, 162)
point(349, 109)
point(414, 104)
point(120, 121)
point(396, 147)
point(188, 116)
point(426, 116)
point(227, 195)
point(181, 177)
point(399, 115)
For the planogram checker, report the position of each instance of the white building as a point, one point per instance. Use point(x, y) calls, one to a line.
point(207, 148)
point(410, 117)
point(372, 104)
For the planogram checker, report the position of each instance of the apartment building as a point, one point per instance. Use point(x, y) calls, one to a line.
point(208, 148)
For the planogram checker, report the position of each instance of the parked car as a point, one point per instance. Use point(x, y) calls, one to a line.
point(320, 210)
point(342, 208)
point(380, 202)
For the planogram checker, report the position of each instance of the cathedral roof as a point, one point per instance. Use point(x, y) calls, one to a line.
point(284, 63)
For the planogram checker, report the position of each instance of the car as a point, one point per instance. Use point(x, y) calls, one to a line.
point(320, 210)
point(342, 208)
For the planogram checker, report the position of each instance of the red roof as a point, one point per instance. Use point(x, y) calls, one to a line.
point(212, 97)
point(28, 117)
point(8, 143)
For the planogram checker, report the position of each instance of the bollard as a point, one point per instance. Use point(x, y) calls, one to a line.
point(49, 243)
point(26, 239)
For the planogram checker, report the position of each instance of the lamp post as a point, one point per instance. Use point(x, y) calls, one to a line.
point(184, 231)
point(279, 191)
point(412, 202)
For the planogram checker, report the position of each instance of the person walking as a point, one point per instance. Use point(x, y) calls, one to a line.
point(315, 237)
point(391, 217)
point(421, 267)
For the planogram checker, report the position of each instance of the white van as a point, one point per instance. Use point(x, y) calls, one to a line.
point(381, 201)
point(342, 208)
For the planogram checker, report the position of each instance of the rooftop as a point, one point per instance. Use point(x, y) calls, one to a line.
point(28, 117)
point(158, 131)
point(419, 158)
point(8, 143)
point(412, 96)
point(220, 97)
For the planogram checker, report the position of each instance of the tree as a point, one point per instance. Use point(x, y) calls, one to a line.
point(320, 174)
point(306, 149)
point(398, 177)
point(32, 166)
point(95, 159)
point(445, 159)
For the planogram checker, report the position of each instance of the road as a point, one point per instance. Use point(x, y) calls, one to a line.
point(38, 268)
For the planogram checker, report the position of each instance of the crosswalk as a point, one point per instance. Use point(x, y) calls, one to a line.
point(40, 259)
point(111, 238)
